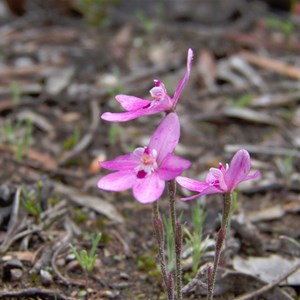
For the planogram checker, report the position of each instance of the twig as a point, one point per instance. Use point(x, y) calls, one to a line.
point(264, 150)
point(43, 261)
point(272, 64)
point(61, 244)
point(85, 200)
point(32, 164)
point(251, 40)
point(88, 137)
point(50, 216)
point(21, 234)
point(269, 286)
point(125, 245)
point(14, 219)
point(16, 223)
point(33, 292)
point(197, 281)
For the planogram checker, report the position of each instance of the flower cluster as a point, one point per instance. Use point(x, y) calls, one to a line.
point(146, 170)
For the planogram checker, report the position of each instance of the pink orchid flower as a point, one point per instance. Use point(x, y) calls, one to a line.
point(136, 107)
point(146, 169)
point(221, 180)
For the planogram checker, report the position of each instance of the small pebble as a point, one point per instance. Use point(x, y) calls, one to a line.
point(5, 195)
point(16, 274)
point(124, 276)
point(111, 294)
point(46, 278)
point(61, 262)
point(70, 257)
point(9, 269)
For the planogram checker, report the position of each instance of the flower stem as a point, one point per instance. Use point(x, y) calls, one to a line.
point(226, 209)
point(177, 238)
point(219, 243)
point(159, 233)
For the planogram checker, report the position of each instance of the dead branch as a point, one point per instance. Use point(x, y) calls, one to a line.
point(269, 286)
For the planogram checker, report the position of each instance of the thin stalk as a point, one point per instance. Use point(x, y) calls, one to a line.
point(226, 209)
point(177, 237)
point(219, 243)
point(159, 233)
point(86, 285)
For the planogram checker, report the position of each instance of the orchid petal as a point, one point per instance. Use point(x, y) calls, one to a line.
point(131, 102)
point(138, 152)
point(172, 166)
point(221, 168)
point(192, 184)
point(185, 78)
point(118, 181)
point(211, 189)
point(159, 91)
point(207, 191)
point(218, 175)
point(238, 170)
point(148, 189)
point(130, 115)
point(122, 162)
point(191, 197)
point(255, 175)
point(166, 136)
point(122, 117)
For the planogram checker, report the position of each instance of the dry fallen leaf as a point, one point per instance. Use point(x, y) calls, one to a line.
point(20, 255)
point(268, 268)
point(44, 159)
point(95, 166)
point(95, 203)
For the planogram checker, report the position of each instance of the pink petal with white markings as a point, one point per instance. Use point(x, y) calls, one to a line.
point(149, 189)
point(118, 181)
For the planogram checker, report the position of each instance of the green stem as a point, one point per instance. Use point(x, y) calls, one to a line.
point(177, 238)
point(86, 285)
point(159, 233)
point(219, 243)
point(226, 209)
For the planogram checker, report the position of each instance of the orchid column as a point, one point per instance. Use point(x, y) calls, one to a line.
point(147, 169)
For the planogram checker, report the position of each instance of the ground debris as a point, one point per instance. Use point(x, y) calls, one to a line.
point(58, 74)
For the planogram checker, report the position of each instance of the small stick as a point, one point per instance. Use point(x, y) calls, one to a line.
point(272, 64)
point(264, 150)
point(59, 247)
point(197, 281)
point(269, 286)
point(33, 292)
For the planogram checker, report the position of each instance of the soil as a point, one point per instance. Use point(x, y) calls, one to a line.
point(61, 66)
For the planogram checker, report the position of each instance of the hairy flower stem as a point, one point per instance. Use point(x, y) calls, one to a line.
point(219, 243)
point(177, 238)
point(160, 237)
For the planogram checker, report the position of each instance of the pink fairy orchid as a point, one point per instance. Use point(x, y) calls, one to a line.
point(146, 169)
point(136, 107)
point(222, 180)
